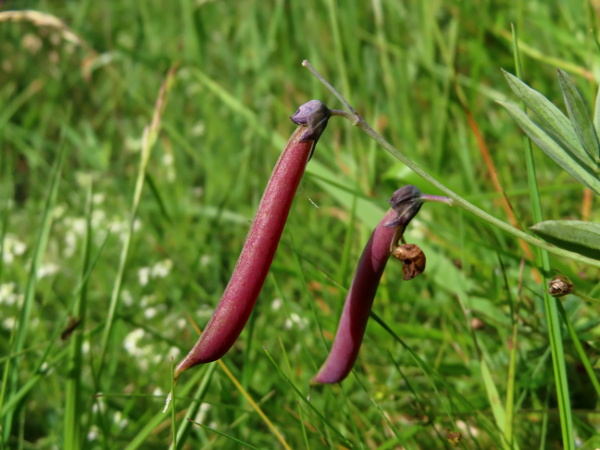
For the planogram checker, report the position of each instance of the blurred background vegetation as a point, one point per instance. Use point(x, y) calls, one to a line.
point(78, 85)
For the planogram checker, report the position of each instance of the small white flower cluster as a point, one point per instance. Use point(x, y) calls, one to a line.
point(168, 160)
point(12, 247)
point(146, 354)
point(159, 270)
point(296, 321)
point(9, 295)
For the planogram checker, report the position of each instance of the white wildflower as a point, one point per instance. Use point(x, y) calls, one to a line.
point(12, 247)
point(167, 159)
point(120, 420)
point(126, 297)
point(98, 218)
point(158, 392)
point(144, 275)
point(98, 198)
point(202, 413)
point(173, 353)
point(93, 433)
point(162, 268)
point(132, 340)
point(198, 129)
point(9, 295)
point(47, 270)
point(149, 313)
point(297, 321)
point(276, 304)
point(9, 323)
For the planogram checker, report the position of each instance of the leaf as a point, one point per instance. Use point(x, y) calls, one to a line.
point(551, 119)
point(575, 235)
point(562, 157)
point(580, 116)
point(597, 113)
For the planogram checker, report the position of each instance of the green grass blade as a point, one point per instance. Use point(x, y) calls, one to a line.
point(552, 148)
point(509, 407)
point(200, 378)
point(241, 443)
point(493, 396)
point(552, 320)
point(303, 398)
point(194, 406)
point(580, 116)
point(580, 351)
point(22, 327)
point(73, 399)
point(149, 139)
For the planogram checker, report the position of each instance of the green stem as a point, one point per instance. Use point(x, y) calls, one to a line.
point(561, 381)
point(359, 122)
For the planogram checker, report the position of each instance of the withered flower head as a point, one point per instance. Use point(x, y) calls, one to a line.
point(412, 258)
point(406, 202)
point(314, 115)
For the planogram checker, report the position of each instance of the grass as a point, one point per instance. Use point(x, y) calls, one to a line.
point(141, 249)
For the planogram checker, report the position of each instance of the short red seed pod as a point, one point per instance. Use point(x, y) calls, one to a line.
point(406, 203)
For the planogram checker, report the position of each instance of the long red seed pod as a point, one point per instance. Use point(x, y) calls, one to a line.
point(252, 267)
point(406, 203)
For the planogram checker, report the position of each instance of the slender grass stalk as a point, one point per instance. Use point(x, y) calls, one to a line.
point(184, 427)
point(580, 350)
point(173, 416)
point(73, 398)
point(254, 405)
point(201, 379)
point(22, 326)
point(305, 399)
point(239, 442)
point(149, 139)
point(550, 303)
point(359, 122)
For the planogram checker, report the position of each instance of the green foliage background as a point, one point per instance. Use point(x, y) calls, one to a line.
point(413, 69)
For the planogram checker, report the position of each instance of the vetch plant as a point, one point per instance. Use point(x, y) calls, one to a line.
point(406, 203)
point(254, 262)
point(573, 143)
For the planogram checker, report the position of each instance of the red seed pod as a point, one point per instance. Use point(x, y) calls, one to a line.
point(357, 307)
point(406, 203)
point(252, 267)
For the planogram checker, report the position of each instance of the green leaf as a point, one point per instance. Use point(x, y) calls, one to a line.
point(550, 118)
point(597, 113)
point(575, 235)
point(580, 116)
point(562, 157)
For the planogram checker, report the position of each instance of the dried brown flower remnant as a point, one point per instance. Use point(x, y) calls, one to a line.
point(412, 258)
point(560, 286)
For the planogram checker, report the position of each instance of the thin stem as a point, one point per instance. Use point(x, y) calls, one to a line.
point(359, 122)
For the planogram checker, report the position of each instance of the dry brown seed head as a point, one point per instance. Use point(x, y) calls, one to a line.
point(560, 286)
